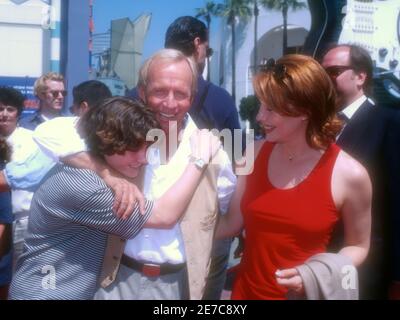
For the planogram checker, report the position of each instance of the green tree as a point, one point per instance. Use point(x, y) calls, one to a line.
point(232, 10)
point(283, 6)
point(248, 109)
point(210, 9)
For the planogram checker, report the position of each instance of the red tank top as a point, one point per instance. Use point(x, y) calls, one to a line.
point(283, 227)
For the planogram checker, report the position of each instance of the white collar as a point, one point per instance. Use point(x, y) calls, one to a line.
point(350, 110)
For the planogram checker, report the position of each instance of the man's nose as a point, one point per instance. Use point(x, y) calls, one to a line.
point(3, 112)
point(171, 101)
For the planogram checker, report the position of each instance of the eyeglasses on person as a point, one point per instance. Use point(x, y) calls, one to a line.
point(56, 93)
point(336, 71)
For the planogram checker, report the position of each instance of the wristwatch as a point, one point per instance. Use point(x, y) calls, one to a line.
point(198, 162)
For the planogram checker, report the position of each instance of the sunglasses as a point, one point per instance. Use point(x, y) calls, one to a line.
point(336, 71)
point(56, 93)
point(209, 52)
point(278, 69)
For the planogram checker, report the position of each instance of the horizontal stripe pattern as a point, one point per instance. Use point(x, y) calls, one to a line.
point(71, 217)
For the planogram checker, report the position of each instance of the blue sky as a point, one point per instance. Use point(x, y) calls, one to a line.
point(163, 13)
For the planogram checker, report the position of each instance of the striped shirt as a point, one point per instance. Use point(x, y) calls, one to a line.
point(71, 217)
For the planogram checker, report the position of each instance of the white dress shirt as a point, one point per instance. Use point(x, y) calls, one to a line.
point(166, 245)
point(351, 109)
point(59, 137)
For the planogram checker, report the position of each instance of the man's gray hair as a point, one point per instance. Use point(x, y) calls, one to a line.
point(172, 56)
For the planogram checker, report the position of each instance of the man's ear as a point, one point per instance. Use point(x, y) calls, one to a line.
point(196, 43)
point(361, 78)
point(41, 95)
point(83, 107)
point(141, 93)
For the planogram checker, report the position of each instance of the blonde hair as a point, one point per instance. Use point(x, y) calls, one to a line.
point(302, 88)
point(172, 56)
point(40, 84)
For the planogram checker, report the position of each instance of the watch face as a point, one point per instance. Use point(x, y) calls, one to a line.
point(200, 163)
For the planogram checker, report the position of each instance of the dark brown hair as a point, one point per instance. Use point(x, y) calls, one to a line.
point(116, 125)
point(301, 88)
point(5, 152)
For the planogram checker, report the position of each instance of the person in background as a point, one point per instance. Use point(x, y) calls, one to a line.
point(6, 220)
point(371, 134)
point(22, 148)
point(50, 90)
point(60, 133)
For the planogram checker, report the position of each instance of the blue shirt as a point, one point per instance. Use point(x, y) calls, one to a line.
point(28, 174)
point(31, 121)
point(5, 218)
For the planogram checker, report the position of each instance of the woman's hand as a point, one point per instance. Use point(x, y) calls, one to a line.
point(204, 145)
point(290, 279)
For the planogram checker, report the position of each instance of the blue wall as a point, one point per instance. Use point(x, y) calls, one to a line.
point(74, 44)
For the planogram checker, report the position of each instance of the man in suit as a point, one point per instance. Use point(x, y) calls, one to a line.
point(371, 135)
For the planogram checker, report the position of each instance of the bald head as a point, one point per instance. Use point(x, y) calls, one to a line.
point(350, 68)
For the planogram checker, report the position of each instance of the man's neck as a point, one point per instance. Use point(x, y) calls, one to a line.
point(49, 114)
point(352, 99)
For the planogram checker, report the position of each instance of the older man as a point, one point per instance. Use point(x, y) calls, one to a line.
point(174, 263)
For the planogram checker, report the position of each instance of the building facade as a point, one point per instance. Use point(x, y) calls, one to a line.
point(38, 36)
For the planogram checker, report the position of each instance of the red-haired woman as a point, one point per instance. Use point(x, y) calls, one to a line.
point(302, 183)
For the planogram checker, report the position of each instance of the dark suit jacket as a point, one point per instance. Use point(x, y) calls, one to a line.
point(31, 121)
point(372, 136)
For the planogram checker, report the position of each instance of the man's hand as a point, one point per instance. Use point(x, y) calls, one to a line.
point(126, 193)
point(290, 279)
point(126, 196)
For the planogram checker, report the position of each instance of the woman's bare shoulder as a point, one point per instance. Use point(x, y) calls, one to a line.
point(351, 170)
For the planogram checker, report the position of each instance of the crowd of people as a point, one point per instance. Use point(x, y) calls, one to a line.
point(137, 197)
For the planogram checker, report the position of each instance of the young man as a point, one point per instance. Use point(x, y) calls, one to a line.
point(50, 90)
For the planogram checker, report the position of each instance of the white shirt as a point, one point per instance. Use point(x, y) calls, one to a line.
point(22, 146)
point(59, 137)
point(166, 245)
point(351, 109)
